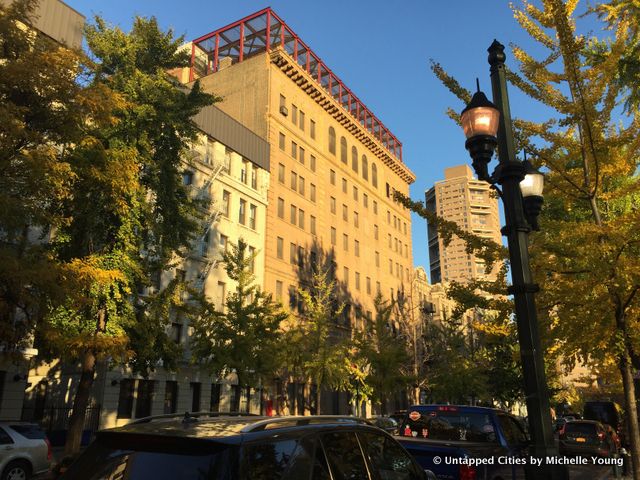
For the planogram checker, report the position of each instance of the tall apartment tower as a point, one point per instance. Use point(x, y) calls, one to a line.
point(467, 201)
point(334, 165)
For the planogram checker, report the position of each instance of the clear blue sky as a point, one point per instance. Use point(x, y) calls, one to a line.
point(381, 50)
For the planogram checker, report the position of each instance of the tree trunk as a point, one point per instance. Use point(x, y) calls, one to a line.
point(632, 415)
point(80, 403)
point(383, 404)
point(318, 394)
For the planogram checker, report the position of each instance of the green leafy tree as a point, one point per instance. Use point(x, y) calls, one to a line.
point(384, 353)
point(586, 256)
point(319, 351)
point(129, 213)
point(245, 338)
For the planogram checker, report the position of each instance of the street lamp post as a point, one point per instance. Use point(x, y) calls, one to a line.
point(487, 125)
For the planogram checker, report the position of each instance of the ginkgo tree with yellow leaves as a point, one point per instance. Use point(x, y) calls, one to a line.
point(586, 258)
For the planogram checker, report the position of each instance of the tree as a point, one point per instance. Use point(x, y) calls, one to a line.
point(384, 353)
point(43, 114)
point(586, 256)
point(319, 353)
point(245, 337)
point(129, 212)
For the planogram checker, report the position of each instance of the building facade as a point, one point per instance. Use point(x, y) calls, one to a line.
point(463, 199)
point(334, 166)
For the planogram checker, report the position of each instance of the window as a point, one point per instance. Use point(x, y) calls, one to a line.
point(226, 198)
point(312, 224)
point(388, 217)
point(375, 232)
point(312, 192)
point(222, 294)
point(281, 208)
point(254, 177)
point(301, 218)
point(377, 256)
point(332, 177)
point(187, 178)
point(345, 242)
point(301, 122)
point(312, 129)
point(365, 167)
point(332, 140)
point(204, 245)
point(343, 150)
point(344, 185)
point(355, 220)
point(300, 264)
point(215, 397)
point(388, 457)
point(170, 396)
point(224, 241)
point(280, 247)
point(281, 141)
point(387, 189)
point(405, 227)
point(301, 185)
point(378, 288)
point(312, 163)
point(242, 212)
point(125, 398)
point(333, 236)
point(365, 200)
point(345, 213)
point(389, 240)
point(283, 102)
point(294, 113)
point(293, 251)
point(332, 205)
point(375, 207)
point(253, 210)
point(144, 398)
point(196, 388)
point(244, 172)
point(294, 181)
point(294, 150)
point(354, 159)
point(344, 455)
point(374, 175)
point(176, 332)
point(357, 281)
point(293, 217)
point(281, 173)
point(356, 248)
point(355, 193)
point(368, 285)
point(345, 275)
point(279, 288)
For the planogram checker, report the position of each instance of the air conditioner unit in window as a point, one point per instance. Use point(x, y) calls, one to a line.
point(283, 110)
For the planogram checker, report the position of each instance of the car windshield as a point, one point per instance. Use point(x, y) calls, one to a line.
point(450, 425)
point(581, 428)
point(148, 458)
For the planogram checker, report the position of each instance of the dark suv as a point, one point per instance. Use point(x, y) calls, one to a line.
point(207, 447)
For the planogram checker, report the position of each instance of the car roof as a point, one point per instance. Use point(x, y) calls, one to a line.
point(227, 428)
point(453, 408)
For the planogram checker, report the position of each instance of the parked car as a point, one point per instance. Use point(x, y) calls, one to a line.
point(588, 438)
point(387, 424)
point(245, 448)
point(435, 433)
point(24, 451)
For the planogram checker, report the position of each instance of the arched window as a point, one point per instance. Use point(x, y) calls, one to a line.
point(343, 150)
point(365, 167)
point(354, 159)
point(374, 175)
point(332, 140)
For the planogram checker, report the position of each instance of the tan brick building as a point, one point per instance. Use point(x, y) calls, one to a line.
point(334, 165)
point(467, 201)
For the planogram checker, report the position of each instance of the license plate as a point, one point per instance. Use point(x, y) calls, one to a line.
point(581, 439)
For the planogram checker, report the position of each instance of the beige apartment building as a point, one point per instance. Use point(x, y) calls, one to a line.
point(334, 165)
point(463, 199)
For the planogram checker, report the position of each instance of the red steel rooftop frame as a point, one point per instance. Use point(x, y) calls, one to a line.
point(264, 30)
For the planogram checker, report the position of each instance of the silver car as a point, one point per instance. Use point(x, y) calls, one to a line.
point(24, 451)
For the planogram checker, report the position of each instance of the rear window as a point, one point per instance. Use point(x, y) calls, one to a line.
point(32, 432)
point(452, 426)
point(583, 428)
point(145, 458)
